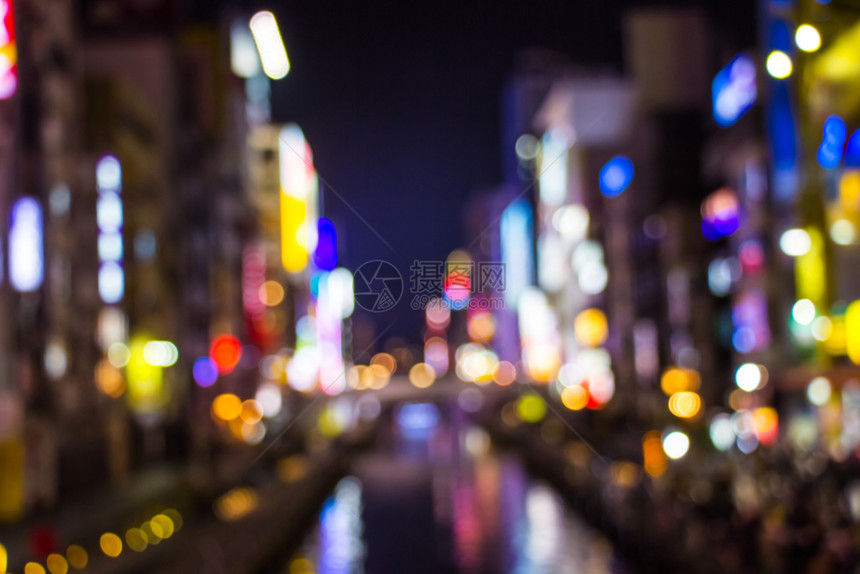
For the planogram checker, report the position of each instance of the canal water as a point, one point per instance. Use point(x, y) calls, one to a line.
point(436, 497)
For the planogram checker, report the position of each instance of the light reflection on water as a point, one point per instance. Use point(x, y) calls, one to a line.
point(495, 516)
point(336, 546)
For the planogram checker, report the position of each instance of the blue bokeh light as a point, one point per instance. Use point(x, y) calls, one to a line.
point(830, 152)
point(205, 372)
point(325, 254)
point(852, 150)
point(616, 176)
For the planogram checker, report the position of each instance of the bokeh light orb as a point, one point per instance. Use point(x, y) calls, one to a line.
point(205, 372)
point(807, 38)
point(676, 444)
point(227, 407)
point(226, 350)
point(422, 375)
point(591, 327)
point(779, 65)
point(616, 176)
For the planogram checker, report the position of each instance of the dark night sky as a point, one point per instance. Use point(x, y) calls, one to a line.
point(400, 101)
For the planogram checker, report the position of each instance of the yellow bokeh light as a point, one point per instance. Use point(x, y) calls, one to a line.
point(531, 408)
point(136, 539)
point(235, 504)
point(677, 380)
point(543, 362)
point(33, 568)
point(835, 343)
point(77, 557)
point(175, 518)
point(109, 379)
point(292, 468)
point(294, 256)
point(271, 293)
point(575, 398)
point(57, 564)
point(625, 473)
point(165, 523)
point(4, 559)
point(422, 375)
point(227, 407)
point(810, 270)
point(852, 332)
point(849, 191)
point(653, 455)
point(111, 544)
point(481, 327)
point(384, 360)
point(685, 404)
point(301, 566)
point(251, 412)
point(591, 327)
point(153, 530)
point(379, 376)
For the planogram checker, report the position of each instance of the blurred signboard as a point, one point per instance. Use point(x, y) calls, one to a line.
point(8, 51)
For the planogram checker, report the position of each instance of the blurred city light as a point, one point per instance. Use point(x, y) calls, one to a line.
point(26, 249)
point(733, 90)
point(244, 60)
point(109, 215)
point(571, 221)
point(591, 327)
point(721, 214)
point(795, 242)
point(819, 391)
point(843, 232)
point(8, 51)
point(807, 38)
point(270, 45)
point(676, 444)
point(779, 65)
point(531, 408)
point(325, 255)
point(160, 353)
point(205, 371)
point(111, 544)
point(339, 285)
point(422, 375)
point(225, 352)
point(803, 312)
point(227, 407)
point(685, 405)
point(77, 557)
point(616, 176)
point(417, 416)
point(832, 142)
point(750, 377)
point(553, 168)
point(516, 239)
point(722, 432)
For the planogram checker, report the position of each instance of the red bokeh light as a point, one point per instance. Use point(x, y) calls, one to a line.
point(226, 350)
